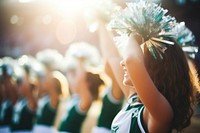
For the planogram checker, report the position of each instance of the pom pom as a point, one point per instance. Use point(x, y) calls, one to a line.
point(85, 51)
point(35, 69)
point(186, 39)
point(184, 35)
point(51, 58)
point(147, 19)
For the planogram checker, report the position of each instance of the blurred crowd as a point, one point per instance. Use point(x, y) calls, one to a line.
point(50, 92)
point(34, 89)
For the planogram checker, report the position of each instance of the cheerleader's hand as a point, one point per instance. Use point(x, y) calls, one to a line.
point(133, 50)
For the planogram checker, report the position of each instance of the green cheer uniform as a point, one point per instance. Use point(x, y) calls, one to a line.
point(110, 108)
point(23, 118)
point(46, 115)
point(74, 118)
point(6, 109)
point(130, 118)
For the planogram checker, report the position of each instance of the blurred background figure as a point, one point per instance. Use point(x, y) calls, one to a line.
point(24, 110)
point(112, 101)
point(84, 87)
point(8, 94)
point(82, 63)
point(50, 90)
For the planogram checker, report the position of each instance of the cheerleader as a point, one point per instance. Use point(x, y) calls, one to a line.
point(156, 71)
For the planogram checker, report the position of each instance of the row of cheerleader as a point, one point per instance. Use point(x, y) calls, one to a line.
point(49, 92)
point(146, 65)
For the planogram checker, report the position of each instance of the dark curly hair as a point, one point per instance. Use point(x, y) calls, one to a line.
point(94, 83)
point(172, 77)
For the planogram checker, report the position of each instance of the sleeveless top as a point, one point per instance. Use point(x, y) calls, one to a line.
point(110, 108)
point(23, 117)
point(45, 113)
point(130, 118)
point(45, 116)
point(6, 109)
point(74, 117)
point(6, 113)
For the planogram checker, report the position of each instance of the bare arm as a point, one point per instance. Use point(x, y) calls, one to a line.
point(111, 54)
point(82, 85)
point(157, 107)
point(54, 98)
point(116, 90)
point(32, 104)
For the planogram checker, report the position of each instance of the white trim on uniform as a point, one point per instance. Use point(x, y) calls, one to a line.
point(5, 129)
point(39, 128)
point(22, 131)
point(100, 130)
point(139, 121)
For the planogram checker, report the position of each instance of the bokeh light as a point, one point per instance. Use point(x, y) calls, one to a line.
point(32, 25)
point(28, 26)
point(66, 31)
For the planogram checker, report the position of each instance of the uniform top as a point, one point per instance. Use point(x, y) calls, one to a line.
point(74, 117)
point(110, 108)
point(45, 113)
point(23, 117)
point(5, 113)
point(130, 118)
